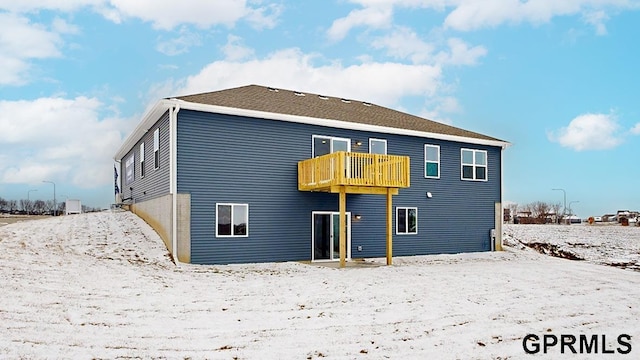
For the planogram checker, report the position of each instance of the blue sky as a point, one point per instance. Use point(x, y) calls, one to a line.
point(557, 79)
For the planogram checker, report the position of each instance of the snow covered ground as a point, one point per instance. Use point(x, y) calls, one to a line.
point(102, 286)
point(613, 245)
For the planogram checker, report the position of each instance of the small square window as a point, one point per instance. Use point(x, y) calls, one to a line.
point(232, 220)
point(406, 220)
point(474, 164)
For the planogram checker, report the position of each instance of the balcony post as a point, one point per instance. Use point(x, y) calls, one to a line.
point(389, 226)
point(343, 226)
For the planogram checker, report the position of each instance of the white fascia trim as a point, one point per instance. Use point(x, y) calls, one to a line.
point(153, 115)
point(150, 118)
point(334, 123)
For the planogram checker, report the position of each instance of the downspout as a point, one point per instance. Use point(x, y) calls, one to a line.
point(173, 177)
point(499, 231)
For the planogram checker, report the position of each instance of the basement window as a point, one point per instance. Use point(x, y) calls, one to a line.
point(232, 220)
point(474, 165)
point(406, 220)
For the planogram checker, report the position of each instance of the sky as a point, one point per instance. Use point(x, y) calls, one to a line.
point(556, 79)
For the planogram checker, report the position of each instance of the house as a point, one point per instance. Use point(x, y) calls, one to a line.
point(258, 174)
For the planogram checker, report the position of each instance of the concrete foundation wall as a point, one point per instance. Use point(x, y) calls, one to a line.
point(158, 214)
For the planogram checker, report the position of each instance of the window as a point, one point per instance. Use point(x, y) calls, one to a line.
point(323, 145)
point(142, 160)
point(156, 149)
point(129, 167)
point(232, 220)
point(406, 220)
point(378, 146)
point(432, 161)
point(474, 165)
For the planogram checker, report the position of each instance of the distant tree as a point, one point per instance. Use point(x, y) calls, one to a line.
point(540, 210)
point(26, 205)
point(513, 209)
point(556, 210)
point(3, 204)
point(39, 207)
point(12, 205)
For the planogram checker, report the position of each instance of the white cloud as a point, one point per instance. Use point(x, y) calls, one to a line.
point(163, 14)
point(180, 44)
point(167, 14)
point(383, 83)
point(471, 15)
point(589, 132)
point(376, 17)
point(61, 26)
point(234, 50)
point(23, 6)
point(461, 54)
point(466, 15)
point(636, 129)
point(404, 43)
point(597, 19)
point(20, 42)
point(63, 140)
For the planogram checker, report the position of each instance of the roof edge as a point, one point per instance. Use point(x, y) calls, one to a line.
point(151, 117)
point(333, 123)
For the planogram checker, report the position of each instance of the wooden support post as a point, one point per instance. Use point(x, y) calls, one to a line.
point(389, 226)
point(343, 226)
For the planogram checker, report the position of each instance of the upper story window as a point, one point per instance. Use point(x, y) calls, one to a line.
point(474, 164)
point(432, 161)
point(232, 220)
point(323, 145)
point(406, 220)
point(129, 167)
point(378, 146)
point(142, 160)
point(156, 149)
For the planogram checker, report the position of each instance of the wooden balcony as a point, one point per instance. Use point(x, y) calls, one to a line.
point(360, 173)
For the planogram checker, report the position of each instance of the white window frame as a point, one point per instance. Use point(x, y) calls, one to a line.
point(130, 164)
point(156, 149)
point(233, 205)
point(330, 138)
point(430, 161)
point(142, 170)
point(406, 209)
point(371, 140)
point(474, 165)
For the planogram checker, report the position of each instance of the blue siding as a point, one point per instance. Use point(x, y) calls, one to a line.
point(156, 181)
point(228, 159)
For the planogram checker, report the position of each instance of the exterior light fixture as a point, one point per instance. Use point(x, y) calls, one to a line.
point(429, 195)
point(358, 216)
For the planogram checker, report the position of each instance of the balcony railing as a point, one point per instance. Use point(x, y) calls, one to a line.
point(353, 169)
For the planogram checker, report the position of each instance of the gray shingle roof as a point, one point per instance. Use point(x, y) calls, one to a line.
point(260, 98)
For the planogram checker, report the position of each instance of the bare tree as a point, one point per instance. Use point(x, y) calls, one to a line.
point(556, 210)
point(3, 204)
point(513, 210)
point(540, 210)
point(12, 205)
point(39, 207)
